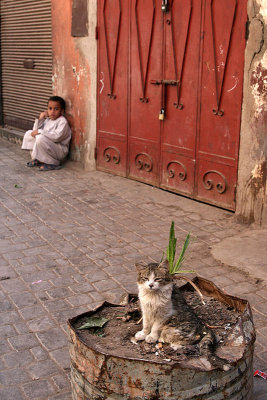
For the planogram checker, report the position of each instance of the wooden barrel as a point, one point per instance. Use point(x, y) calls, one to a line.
point(97, 375)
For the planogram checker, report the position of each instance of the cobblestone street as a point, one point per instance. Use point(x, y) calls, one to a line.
point(70, 239)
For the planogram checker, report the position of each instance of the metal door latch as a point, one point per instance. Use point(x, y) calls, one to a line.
point(164, 6)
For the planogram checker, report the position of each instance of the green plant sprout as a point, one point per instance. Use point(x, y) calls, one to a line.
point(175, 267)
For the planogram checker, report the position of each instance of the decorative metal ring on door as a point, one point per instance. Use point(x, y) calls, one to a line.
point(209, 183)
point(219, 86)
point(144, 161)
point(143, 73)
point(171, 171)
point(111, 70)
point(111, 153)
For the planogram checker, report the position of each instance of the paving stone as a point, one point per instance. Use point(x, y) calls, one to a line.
point(15, 255)
point(39, 275)
point(29, 313)
point(263, 331)
point(105, 285)
point(13, 285)
point(241, 288)
point(18, 359)
point(21, 327)
point(52, 339)
point(6, 271)
point(59, 293)
point(260, 307)
point(39, 353)
point(63, 281)
point(222, 281)
point(23, 299)
point(14, 377)
point(23, 342)
point(7, 331)
point(262, 293)
point(63, 396)
point(61, 382)
point(26, 269)
point(41, 324)
point(56, 305)
point(4, 347)
point(39, 389)
point(9, 317)
point(82, 287)
point(42, 369)
point(61, 356)
point(2, 364)
point(97, 297)
point(79, 299)
point(11, 393)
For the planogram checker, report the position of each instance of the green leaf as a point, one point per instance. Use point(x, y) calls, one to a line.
point(171, 249)
point(94, 322)
point(181, 256)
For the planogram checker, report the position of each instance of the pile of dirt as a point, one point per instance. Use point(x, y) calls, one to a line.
point(115, 337)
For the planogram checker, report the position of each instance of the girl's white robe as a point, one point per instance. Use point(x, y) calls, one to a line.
point(51, 145)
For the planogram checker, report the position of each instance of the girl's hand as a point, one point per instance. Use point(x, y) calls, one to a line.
point(43, 115)
point(34, 133)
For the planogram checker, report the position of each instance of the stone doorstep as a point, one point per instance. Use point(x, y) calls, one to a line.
point(12, 135)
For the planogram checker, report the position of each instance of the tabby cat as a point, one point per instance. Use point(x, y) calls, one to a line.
point(167, 317)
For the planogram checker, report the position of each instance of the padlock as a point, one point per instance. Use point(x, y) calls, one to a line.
point(164, 6)
point(161, 114)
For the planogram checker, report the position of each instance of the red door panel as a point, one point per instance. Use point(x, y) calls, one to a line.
point(216, 181)
point(145, 101)
point(182, 38)
point(112, 86)
point(177, 173)
point(221, 97)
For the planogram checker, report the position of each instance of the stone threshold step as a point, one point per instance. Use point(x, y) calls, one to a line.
point(12, 135)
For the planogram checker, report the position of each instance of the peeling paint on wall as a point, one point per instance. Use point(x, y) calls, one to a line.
point(251, 192)
point(263, 9)
point(259, 86)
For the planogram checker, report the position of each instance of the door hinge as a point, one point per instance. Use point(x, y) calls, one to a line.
point(95, 153)
point(96, 33)
point(235, 189)
point(247, 30)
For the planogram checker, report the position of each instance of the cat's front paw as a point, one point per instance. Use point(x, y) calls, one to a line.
point(140, 335)
point(151, 339)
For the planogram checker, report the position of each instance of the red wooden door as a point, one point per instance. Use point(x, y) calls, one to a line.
point(220, 99)
point(146, 40)
point(112, 89)
point(169, 93)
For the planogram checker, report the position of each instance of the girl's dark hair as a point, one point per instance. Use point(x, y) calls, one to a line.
point(58, 100)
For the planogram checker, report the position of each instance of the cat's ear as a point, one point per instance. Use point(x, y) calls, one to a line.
point(165, 265)
point(140, 265)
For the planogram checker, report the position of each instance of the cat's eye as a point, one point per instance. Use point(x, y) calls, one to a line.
point(158, 280)
point(145, 279)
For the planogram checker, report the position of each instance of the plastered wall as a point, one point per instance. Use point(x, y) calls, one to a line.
point(74, 78)
point(251, 191)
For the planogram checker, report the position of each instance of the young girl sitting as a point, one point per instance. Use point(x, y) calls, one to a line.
point(49, 140)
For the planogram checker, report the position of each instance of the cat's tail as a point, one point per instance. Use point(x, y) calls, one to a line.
point(207, 353)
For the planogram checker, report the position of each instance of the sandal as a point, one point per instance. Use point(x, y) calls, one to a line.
point(49, 167)
point(34, 163)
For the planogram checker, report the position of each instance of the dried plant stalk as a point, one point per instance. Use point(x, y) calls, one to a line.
point(178, 276)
